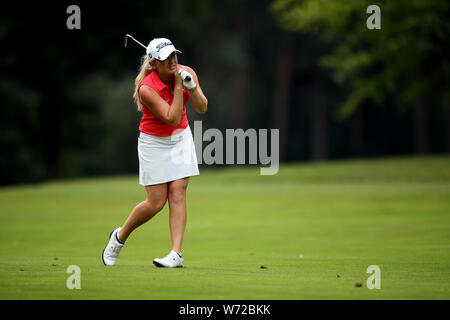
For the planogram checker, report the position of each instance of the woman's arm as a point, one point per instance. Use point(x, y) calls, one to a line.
point(168, 113)
point(198, 99)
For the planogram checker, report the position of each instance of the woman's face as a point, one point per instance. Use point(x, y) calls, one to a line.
point(168, 66)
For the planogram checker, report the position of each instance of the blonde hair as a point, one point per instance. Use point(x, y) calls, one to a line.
point(144, 70)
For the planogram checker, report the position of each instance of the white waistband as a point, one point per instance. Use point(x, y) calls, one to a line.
point(173, 137)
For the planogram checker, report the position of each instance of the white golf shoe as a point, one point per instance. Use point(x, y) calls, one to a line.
point(112, 249)
point(172, 260)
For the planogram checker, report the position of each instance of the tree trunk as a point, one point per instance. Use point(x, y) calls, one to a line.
point(50, 134)
point(357, 133)
point(283, 77)
point(447, 130)
point(420, 137)
point(240, 79)
point(240, 104)
point(318, 121)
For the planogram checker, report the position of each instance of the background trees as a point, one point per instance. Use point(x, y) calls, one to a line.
point(402, 66)
point(310, 68)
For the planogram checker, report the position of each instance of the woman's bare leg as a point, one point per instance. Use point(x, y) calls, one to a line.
point(144, 211)
point(178, 211)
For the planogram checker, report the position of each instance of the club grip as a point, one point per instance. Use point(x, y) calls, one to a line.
point(187, 78)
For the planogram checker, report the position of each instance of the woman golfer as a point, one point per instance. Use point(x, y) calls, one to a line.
point(165, 146)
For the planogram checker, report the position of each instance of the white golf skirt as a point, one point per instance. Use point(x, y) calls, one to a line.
point(164, 159)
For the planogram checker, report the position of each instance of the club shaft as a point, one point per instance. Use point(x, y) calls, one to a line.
point(127, 35)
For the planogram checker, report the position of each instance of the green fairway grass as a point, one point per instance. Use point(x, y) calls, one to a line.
point(315, 227)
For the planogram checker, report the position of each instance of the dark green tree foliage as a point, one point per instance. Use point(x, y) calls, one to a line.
point(406, 60)
point(66, 106)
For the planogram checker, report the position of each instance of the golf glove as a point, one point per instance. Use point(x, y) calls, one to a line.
point(188, 84)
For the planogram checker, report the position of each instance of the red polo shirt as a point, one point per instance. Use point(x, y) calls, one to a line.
point(150, 123)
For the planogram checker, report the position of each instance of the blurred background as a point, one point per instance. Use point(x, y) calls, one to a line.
point(310, 68)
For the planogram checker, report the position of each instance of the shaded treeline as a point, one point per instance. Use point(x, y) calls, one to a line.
point(66, 95)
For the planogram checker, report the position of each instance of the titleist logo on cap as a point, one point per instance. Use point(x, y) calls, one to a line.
point(162, 45)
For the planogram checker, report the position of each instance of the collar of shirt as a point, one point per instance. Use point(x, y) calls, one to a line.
point(158, 82)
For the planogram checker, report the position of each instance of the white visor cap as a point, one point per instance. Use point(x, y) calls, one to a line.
point(160, 48)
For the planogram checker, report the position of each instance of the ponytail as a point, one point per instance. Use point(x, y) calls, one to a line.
point(145, 69)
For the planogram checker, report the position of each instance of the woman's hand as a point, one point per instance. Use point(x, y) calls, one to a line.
point(188, 80)
point(196, 96)
point(178, 80)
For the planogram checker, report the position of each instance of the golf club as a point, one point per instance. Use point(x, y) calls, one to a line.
point(129, 36)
